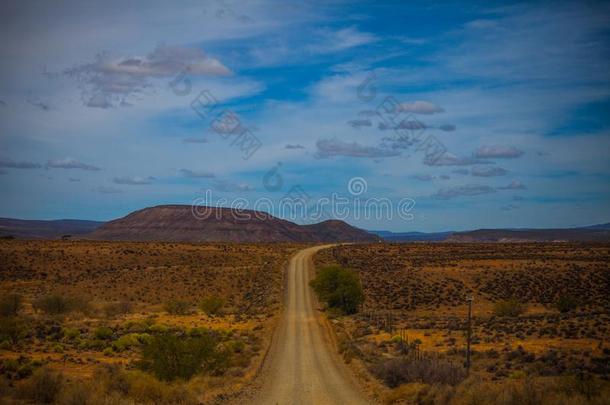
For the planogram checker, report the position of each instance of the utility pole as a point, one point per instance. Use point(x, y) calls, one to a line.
point(469, 334)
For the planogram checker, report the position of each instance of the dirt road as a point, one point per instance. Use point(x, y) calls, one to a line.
point(302, 366)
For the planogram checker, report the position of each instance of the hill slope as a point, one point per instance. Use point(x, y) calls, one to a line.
point(177, 223)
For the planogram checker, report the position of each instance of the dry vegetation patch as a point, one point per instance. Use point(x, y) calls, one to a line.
point(541, 311)
point(176, 323)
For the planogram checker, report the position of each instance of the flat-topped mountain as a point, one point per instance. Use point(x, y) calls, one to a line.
point(212, 224)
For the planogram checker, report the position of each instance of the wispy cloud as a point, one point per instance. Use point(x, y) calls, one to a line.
point(410, 124)
point(332, 147)
point(11, 164)
point(69, 163)
point(329, 41)
point(490, 171)
point(41, 105)
point(133, 180)
point(109, 81)
point(449, 159)
point(360, 123)
point(468, 190)
point(424, 177)
point(513, 185)
point(447, 127)
point(198, 174)
point(421, 107)
point(498, 152)
point(294, 146)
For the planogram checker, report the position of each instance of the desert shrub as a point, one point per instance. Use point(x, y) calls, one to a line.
point(510, 308)
point(146, 389)
point(112, 378)
point(113, 309)
point(566, 303)
point(103, 333)
point(71, 333)
point(53, 304)
point(212, 305)
point(178, 307)
point(339, 288)
point(395, 372)
point(12, 329)
point(170, 357)
point(18, 368)
point(158, 328)
point(130, 340)
point(76, 394)
point(43, 387)
point(11, 304)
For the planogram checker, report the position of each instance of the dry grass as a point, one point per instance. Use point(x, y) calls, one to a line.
point(416, 294)
point(116, 295)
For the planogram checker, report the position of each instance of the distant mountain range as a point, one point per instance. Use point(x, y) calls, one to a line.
point(593, 233)
point(32, 229)
point(177, 223)
point(412, 236)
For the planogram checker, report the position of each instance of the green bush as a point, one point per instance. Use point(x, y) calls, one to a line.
point(103, 333)
point(340, 288)
point(170, 357)
point(566, 303)
point(212, 305)
point(11, 304)
point(12, 329)
point(158, 329)
point(509, 308)
point(178, 307)
point(130, 340)
point(71, 333)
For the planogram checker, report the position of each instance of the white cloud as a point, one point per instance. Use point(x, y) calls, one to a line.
point(110, 81)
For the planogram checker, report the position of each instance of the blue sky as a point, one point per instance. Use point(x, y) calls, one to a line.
point(517, 95)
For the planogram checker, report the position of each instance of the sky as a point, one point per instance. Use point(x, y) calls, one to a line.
point(474, 114)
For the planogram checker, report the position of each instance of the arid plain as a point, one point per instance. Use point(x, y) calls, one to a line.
point(78, 317)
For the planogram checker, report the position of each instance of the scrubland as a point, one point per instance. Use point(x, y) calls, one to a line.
point(114, 322)
point(540, 322)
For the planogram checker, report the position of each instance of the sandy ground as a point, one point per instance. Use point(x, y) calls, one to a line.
point(302, 366)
